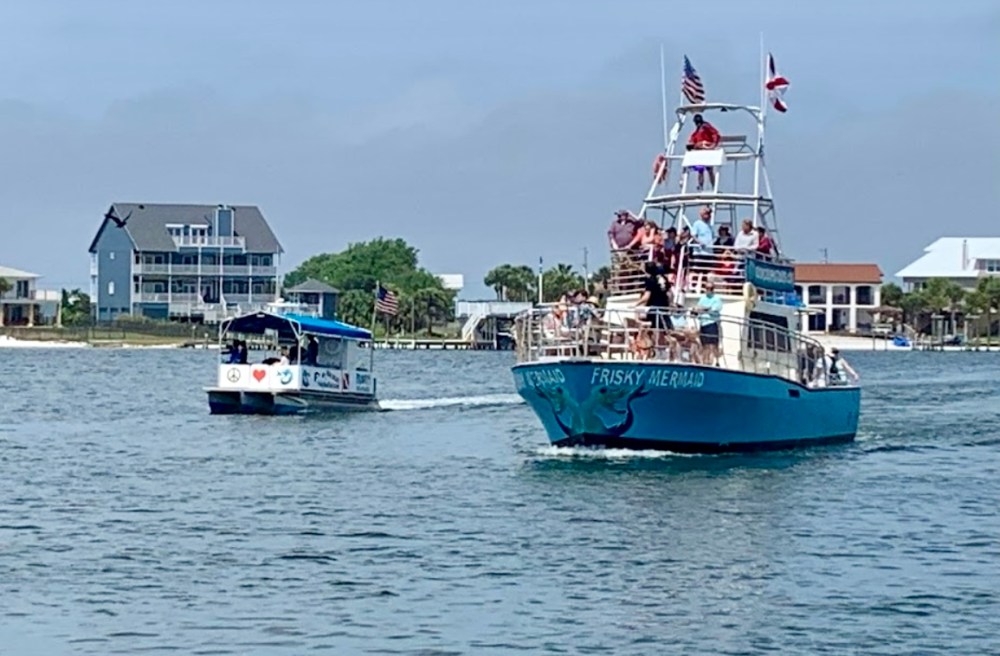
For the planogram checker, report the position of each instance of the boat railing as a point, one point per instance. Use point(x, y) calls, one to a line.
point(691, 268)
point(669, 336)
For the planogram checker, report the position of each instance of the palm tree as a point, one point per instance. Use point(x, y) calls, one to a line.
point(5, 287)
point(944, 295)
point(892, 294)
point(433, 304)
point(601, 278)
point(560, 279)
point(499, 278)
point(985, 299)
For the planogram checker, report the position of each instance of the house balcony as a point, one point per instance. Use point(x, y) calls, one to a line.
point(141, 268)
point(209, 241)
point(151, 269)
point(163, 297)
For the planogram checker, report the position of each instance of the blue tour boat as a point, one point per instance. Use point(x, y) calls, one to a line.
point(625, 376)
point(323, 365)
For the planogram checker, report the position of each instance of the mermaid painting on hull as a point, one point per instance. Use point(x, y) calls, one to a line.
point(587, 417)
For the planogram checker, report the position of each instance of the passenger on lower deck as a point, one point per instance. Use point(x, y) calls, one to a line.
point(656, 296)
point(709, 311)
point(312, 351)
point(839, 369)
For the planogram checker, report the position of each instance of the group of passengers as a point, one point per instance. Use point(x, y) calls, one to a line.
point(296, 354)
point(669, 328)
point(698, 247)
point(573, 311)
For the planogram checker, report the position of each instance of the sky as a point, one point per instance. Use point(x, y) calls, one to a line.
point(486, 132)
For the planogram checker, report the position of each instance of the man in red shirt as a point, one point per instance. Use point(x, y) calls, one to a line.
point(704, 137)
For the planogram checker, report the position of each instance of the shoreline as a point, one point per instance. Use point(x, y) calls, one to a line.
point(7, 341)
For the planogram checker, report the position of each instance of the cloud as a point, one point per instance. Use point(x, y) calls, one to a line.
point(476, 170)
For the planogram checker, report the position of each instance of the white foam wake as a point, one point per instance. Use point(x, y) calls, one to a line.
point(594, 453)
point(467, 401)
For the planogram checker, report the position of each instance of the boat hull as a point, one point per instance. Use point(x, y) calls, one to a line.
point(236, 402)
point(682, 408)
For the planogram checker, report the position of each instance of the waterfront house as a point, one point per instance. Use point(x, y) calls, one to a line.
point(24, 304)
point(183, 262)
point(962, 260)
point(314, 297)
point(840, 297)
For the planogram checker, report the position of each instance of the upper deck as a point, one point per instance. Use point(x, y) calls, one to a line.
point(717, 168)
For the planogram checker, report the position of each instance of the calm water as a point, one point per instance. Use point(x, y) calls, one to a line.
point(132, 521)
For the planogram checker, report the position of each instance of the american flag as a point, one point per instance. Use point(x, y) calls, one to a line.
point(691, 84)
point(386, 301)
point(776, 85)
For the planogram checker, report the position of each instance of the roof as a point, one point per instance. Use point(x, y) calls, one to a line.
point(944, 258)
point(838, 273)
point(147, 225)
point(8, 272)
point(287, 325)
point(311, 286)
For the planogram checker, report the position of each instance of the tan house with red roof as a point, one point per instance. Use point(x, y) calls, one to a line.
point(842, 297)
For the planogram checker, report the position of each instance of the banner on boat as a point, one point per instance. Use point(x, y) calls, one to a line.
point(767, 275)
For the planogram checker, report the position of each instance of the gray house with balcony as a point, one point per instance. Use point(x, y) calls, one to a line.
point(183, 262)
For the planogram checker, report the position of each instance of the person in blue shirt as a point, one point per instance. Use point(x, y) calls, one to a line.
point(709, 310)
point(702, 241)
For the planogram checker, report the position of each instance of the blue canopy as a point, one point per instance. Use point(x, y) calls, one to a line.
point(289, 325)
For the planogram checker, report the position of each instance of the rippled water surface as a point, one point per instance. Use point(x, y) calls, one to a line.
point(131, 520)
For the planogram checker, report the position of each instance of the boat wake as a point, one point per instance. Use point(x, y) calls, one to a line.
point(596, 453)
point(485, 400)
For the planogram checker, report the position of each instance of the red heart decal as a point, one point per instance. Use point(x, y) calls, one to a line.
point(259, 374)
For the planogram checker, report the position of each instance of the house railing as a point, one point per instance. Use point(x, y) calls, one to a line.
point(217, 241)
point(214, 269)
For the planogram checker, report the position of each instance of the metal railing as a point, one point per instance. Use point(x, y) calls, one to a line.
point(670, 336)
point(691, 268)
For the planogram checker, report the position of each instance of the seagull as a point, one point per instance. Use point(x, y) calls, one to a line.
point(118, 222)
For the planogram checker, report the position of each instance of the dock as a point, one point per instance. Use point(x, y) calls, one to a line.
point(431, 344)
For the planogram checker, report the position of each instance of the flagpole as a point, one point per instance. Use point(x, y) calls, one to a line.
point(763, 80)
point(378, 286)
point(663, 97)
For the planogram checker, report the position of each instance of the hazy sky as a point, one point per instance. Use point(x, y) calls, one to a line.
point(485, 132)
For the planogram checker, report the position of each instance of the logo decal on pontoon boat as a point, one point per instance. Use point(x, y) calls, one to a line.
point(233, 375)
point(285, 376)
point(588, 417)
point(259, 374)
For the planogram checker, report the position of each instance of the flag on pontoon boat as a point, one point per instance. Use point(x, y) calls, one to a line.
point(385, 301)
point(776, 86)
point(691, 84)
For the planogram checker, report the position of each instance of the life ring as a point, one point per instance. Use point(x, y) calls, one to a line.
point(660, 168)
point(749, 296)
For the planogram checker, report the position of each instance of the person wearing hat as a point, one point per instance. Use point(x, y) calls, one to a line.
point(839, 369)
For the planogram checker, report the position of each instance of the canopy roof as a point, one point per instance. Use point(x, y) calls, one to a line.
point(290, 326)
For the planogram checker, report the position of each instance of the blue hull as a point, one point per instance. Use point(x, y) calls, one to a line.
point(682, 408)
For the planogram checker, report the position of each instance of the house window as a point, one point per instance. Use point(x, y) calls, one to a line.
point(111, 288)
point(817, 295)
point(21, 290)
point(841, 295)
point(111, 255)
point(992, 266)
point(863, 295)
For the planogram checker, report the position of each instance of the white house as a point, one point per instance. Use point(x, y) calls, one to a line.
point(24, 304)
point(841, 297)
point(963, 260)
